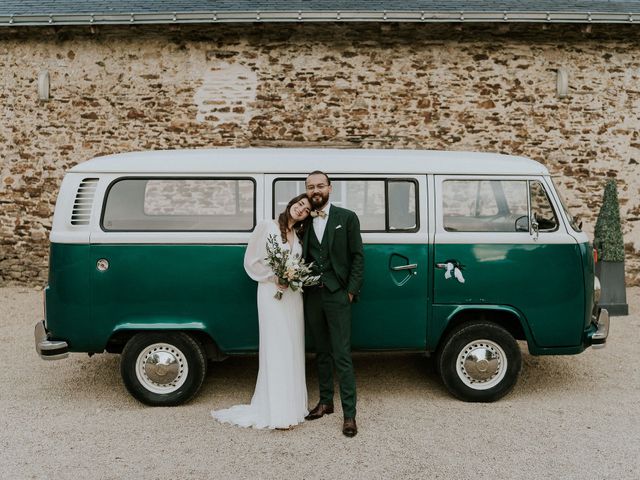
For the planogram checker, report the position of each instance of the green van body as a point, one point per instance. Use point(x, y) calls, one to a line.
point(86, 307)
point(542, 293)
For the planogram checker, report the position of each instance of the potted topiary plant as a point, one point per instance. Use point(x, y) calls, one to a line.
point(609, 245)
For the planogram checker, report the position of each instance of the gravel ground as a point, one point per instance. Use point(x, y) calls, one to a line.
point(568, 417)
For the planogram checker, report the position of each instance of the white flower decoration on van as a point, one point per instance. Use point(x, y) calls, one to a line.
point(452, 268)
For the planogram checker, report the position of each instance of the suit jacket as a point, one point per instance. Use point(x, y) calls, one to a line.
point(345, 247)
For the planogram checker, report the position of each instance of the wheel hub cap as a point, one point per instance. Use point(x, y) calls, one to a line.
point(481, 364)
point(161, 368)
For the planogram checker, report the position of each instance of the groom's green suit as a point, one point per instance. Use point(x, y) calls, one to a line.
point(339, 259)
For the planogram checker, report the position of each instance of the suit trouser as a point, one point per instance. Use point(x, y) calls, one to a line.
point(328, 318)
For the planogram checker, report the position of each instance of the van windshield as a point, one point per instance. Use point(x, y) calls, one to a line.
point(573, 221)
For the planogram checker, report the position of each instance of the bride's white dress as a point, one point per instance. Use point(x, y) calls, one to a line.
point(280, 397)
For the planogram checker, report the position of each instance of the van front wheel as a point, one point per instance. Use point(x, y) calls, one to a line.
point(163, 369)
point(480, 362)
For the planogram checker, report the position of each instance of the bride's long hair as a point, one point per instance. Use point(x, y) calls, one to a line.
point(284, 217)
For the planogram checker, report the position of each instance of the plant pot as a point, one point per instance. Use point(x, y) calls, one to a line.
point(614, 294)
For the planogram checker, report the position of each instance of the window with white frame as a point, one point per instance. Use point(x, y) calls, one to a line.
point(483, 205)
point(180, 204)
point(541, 208)
point(382, 204)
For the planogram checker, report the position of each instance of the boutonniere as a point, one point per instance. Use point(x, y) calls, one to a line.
point(339, 226)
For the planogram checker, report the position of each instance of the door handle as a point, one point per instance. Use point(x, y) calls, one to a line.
point(443, 265)
point(411, 266)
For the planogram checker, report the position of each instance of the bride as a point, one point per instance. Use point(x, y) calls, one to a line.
point(280, 398)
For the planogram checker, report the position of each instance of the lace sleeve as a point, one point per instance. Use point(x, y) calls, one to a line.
point(254, 263)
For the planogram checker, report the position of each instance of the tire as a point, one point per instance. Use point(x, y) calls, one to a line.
point(163, 368)
point(479, 362)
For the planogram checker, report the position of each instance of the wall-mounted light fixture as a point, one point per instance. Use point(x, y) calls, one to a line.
point(43, 85)
point(562, 85)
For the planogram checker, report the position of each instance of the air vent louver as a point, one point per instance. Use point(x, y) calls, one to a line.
point(84, 201)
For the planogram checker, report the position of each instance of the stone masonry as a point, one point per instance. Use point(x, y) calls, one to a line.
point(429, 86)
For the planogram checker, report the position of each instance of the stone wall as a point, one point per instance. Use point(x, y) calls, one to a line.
point(458, 87)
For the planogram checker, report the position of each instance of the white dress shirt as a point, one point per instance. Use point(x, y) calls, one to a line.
point(319, 223)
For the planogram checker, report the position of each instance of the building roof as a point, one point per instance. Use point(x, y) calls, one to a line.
point(301, 160)
point(96, 12)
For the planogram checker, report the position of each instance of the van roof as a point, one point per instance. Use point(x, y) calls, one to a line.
point(296, 160)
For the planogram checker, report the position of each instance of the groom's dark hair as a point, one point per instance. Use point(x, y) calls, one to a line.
point(320, 172)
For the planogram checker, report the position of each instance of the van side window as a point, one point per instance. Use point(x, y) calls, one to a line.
point(541, 208)
point(382, 205)
point(574, 222)
point(180, 204)
point(483, 205)
point(401, 200)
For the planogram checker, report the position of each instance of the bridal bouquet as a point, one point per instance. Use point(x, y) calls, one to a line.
point(291, 270)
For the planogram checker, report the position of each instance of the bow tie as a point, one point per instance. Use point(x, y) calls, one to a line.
point(318, 213)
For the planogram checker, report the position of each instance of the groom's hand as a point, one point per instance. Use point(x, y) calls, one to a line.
point(350, 297)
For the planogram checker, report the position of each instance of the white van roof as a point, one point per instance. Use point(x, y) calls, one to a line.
point(296, 160)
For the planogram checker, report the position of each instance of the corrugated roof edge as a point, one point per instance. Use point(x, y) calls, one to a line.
point(300, 16)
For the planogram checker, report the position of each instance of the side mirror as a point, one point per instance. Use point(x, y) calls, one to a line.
point(522, 224)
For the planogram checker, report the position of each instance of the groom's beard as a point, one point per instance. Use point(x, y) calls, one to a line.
point(318, 200)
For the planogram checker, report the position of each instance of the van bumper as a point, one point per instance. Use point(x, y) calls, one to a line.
point(49, 349)
point(599, 334)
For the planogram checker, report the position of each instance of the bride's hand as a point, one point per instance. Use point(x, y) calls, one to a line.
point(280, 286)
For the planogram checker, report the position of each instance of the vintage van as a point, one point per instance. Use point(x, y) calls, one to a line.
point(465, 254)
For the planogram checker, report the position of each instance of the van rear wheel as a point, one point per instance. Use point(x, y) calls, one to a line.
point(479, 362)
point(163, 368)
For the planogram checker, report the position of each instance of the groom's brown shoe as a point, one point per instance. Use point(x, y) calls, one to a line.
point(320, 410)
point(349, 428)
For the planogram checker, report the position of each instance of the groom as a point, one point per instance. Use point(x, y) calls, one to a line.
point(334, 245)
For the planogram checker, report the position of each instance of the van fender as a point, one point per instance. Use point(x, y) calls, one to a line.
point(448, 317)
point(123, 331)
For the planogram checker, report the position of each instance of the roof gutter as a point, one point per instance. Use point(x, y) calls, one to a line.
point(318, 16)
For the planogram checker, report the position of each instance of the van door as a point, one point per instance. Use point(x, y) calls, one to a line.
point(392, 310)
point(486, 254)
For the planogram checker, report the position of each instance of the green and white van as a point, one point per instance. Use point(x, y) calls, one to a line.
point(465, 254)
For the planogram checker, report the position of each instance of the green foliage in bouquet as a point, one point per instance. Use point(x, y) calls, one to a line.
point(290, 269)
point(607, 237)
